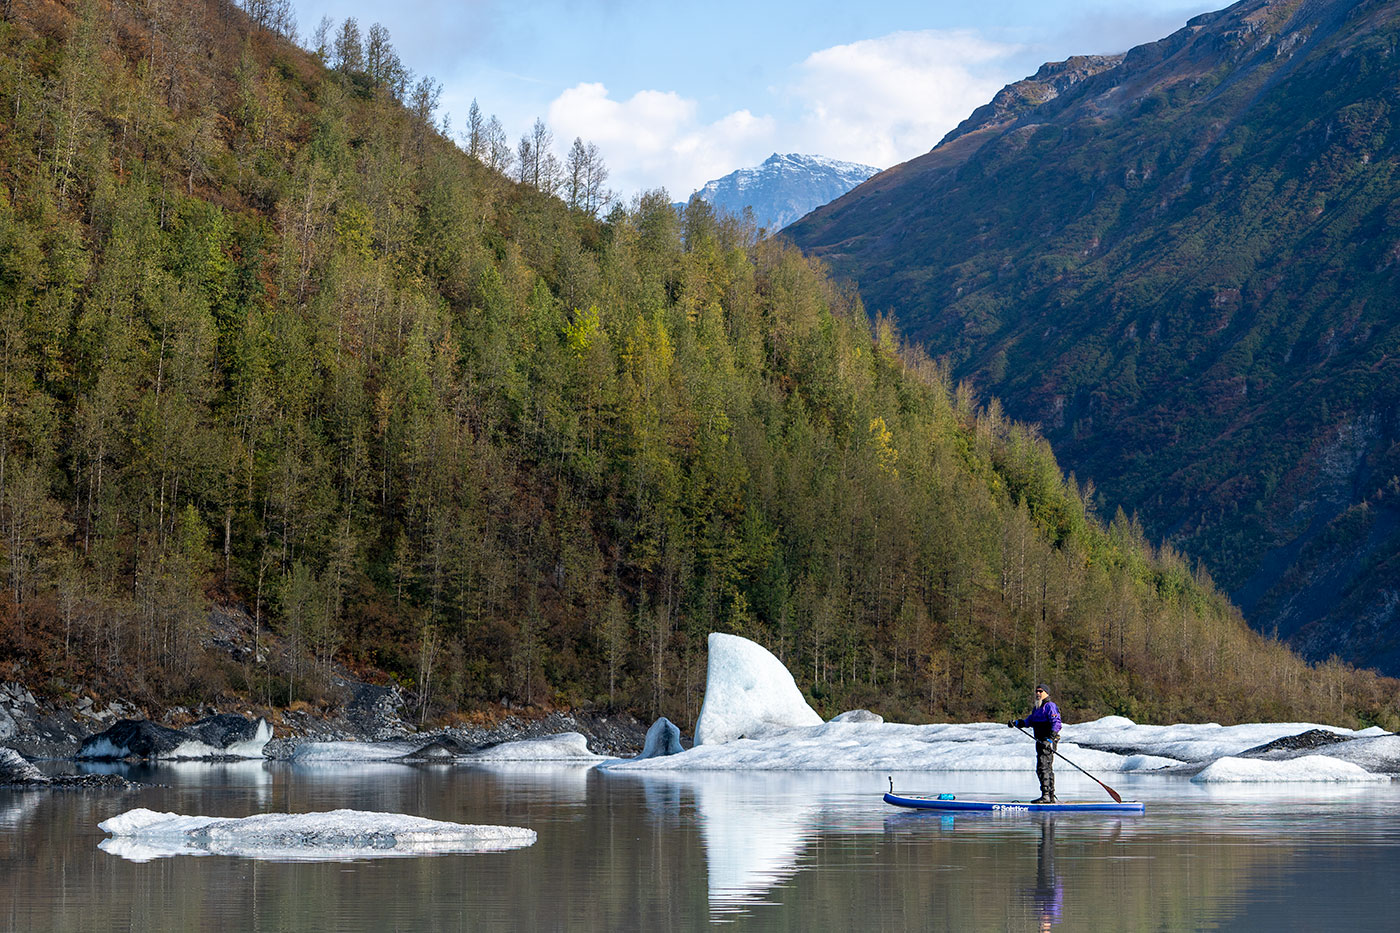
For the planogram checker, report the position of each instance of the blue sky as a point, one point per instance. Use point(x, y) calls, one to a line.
point(675, 94)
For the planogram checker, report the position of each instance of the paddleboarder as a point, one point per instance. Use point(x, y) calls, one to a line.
point(1044, 721)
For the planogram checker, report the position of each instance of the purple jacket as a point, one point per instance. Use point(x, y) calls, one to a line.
point(1044, 720)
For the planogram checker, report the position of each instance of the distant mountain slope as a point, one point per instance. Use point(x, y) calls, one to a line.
point(1184, 263)
point(784, 187)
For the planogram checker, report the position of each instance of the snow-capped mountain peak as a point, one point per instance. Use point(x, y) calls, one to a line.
point(784, 187)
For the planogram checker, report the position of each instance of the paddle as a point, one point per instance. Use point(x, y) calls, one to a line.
point(1111, 792)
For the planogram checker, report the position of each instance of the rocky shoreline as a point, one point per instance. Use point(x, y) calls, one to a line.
point(36, 729)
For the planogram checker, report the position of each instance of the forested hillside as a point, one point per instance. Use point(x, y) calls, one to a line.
point(271, 342)
point(1183, 264)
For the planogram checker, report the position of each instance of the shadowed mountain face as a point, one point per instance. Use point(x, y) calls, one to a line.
point(1184, 263)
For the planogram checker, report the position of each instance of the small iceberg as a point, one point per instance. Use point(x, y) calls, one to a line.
point(141, 835)
point(663, 738)
point(1309, 769)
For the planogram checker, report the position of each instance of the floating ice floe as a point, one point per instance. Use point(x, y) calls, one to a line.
point(1111, 745)
point(566, 746)
point(858, 715)
point(140, 835)
point(748, 693)
point(317, 752)
point(1308, 769)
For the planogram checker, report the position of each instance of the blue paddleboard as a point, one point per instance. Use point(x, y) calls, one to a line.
point(950, 802)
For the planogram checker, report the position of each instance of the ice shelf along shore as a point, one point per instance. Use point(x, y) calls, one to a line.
point(754, 718)
point(141, 835)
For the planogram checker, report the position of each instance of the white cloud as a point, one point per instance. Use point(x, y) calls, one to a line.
point(877, 101)
point(885, 100)
point(656, 138)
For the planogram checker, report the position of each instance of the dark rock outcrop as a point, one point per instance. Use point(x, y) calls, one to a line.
point(858, 715)
point(224, 729)
point(45, 729)
point(133, 738)
point(1014, 100)
point(377, 712)
point(1290, 745)
point(442, 747)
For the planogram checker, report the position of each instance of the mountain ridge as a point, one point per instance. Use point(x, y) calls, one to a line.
point(1206, 226)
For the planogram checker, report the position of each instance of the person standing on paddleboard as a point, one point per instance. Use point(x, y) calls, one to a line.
point(1044, 721)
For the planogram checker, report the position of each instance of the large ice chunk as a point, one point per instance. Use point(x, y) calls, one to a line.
point(748, 692)
point(1311, 768)
point(141, 835)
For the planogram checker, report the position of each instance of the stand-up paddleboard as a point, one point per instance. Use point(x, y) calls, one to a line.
point(951, 802)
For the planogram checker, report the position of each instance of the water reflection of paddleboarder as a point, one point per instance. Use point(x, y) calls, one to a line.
point(1048, 896)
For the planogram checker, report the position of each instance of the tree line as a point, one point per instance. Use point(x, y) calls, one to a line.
point(275, 347)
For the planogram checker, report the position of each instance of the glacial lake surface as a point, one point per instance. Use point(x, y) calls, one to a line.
point(685, 851)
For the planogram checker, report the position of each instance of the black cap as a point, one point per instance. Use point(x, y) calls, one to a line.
point(1043, 689)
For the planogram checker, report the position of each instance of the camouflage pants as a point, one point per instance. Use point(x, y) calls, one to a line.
point(1045, 766)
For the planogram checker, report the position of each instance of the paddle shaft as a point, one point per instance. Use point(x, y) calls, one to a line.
point(1111, 792)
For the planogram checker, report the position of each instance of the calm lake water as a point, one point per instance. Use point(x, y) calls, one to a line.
point(749, 851)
